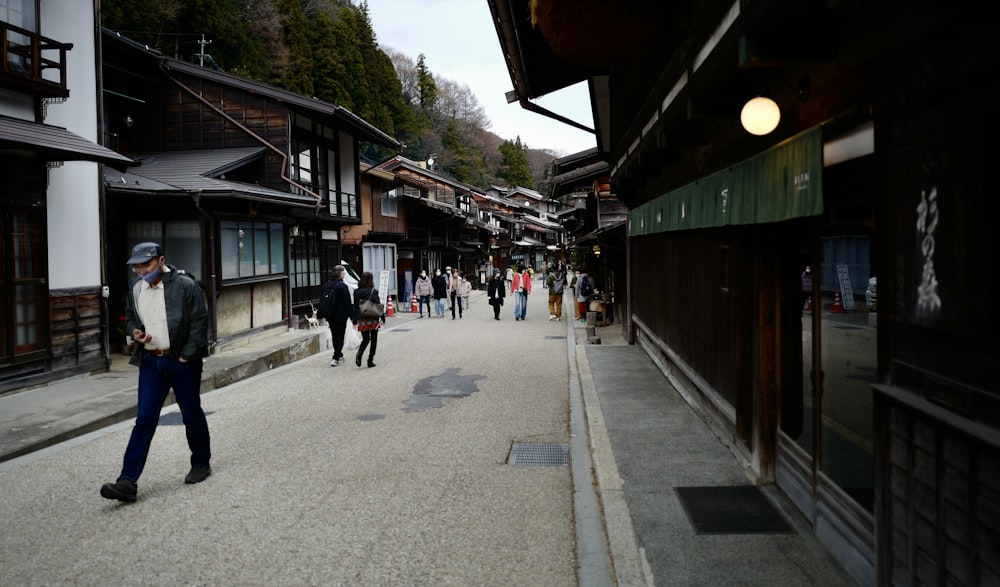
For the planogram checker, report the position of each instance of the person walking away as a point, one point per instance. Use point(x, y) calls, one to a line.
point(424, 290)
point(584, 289)
point(336, 307)
point(440, 285)
point(556, 281)
point(455, 288)
point(520, 287)
point(495, 293)
point(368, 327)
point(166, 314)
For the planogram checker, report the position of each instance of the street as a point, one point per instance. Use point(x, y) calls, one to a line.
point(329, 476)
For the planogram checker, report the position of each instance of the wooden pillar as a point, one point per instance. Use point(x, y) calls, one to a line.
point(768, 301)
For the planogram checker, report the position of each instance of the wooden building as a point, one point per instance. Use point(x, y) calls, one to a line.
point(445, 227)
point(865, 388)
point(249, 188)
point(52, 307)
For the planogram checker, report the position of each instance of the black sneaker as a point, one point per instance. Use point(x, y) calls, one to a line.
point(122, 490)
point(198, 474)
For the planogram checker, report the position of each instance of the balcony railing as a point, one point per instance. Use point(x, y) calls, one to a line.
point(27, 58)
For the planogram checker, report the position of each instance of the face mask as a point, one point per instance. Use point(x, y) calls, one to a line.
point(438, 273)
point(151, 276)
point(423, 274)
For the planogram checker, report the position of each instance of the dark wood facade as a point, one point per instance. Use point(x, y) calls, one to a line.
point(884, 432)
point(263, 182)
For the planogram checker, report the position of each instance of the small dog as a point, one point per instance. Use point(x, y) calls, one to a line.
point(312, 319)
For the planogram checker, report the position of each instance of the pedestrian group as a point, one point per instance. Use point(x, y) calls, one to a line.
point(167, 317)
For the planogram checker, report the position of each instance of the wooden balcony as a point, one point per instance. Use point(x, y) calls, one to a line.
point(27, 60)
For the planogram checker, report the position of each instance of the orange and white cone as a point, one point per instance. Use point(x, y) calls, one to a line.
point(413, 305)
point(388, 309)
point(837, 308)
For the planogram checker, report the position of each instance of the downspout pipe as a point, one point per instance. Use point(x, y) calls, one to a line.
point(258, 138)
point(212, 277)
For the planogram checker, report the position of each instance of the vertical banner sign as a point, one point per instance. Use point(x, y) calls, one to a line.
point(383, 285)
point(846, 291)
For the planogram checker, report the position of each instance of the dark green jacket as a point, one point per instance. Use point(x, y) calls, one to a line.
point(187, 316)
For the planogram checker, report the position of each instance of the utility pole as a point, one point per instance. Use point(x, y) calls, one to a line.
point(201, 51)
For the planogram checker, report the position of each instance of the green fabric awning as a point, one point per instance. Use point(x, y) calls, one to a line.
point(778, 184)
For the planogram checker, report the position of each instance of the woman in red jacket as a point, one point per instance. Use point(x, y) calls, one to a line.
point(520, 287)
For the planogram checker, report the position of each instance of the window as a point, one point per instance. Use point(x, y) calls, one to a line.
point(378, 258)
point(324, 162)
point(19, 13)
point(464, 203)
point(23, 294)
point(181, 242)
point(389, 202)
point(251, 249)
point(305, 269)
point(309, 166)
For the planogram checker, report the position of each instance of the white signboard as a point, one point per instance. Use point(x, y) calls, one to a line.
point(846, 291)
point(383, 285)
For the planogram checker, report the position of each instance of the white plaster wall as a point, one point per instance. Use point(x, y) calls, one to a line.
point(243, 307)
point(74, 220)
point(16, 105)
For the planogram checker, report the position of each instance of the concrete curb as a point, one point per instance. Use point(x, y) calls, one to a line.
point(64, 419)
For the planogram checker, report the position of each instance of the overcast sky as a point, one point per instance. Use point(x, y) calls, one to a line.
point(460, 43)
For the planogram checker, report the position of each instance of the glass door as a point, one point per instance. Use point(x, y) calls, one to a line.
point(831, 417)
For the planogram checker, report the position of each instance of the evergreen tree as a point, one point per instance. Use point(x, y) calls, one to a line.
point(426, 88)
point(297, 77)
point(514, 168)
point(328, 49)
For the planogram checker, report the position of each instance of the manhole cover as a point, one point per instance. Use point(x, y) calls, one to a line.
point(555, 338)
point(538, 454)
point(370, 417)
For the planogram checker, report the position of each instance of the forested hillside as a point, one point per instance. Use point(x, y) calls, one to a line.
point(328, 49)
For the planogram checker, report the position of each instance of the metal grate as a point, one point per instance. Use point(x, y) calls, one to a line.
point(539, 454)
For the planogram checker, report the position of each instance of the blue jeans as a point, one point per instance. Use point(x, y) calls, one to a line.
point(520, 304)
point(425, 300)
point(439, 307)
point(156, 376)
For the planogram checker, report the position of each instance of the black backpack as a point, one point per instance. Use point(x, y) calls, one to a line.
point(325, 309)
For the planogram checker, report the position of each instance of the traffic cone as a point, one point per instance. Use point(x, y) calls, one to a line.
point(837, 308)
point(413, 305)
point(809, 304)
point(388, 310)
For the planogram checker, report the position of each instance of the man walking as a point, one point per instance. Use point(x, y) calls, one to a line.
point(166, 314)
point(336, 306)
